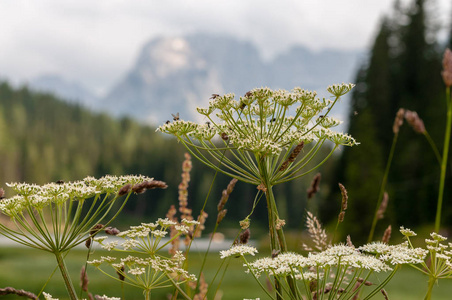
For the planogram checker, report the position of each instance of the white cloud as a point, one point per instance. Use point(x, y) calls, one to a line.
point(95, 42)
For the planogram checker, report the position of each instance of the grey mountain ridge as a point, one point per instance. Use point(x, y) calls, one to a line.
point(177, 74)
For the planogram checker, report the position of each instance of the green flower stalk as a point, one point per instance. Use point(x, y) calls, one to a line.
point(59, 216)
point(258, 140)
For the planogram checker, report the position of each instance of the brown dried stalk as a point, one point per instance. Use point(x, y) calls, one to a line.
point(447, 68)
point(224, 199)
point(415, 121)
point(175, 242)
point(292, 157)
point(13, 291)
point(314, 188)
point(387, 235)
point(383, 206)
point(203, 288)
point(398, 121)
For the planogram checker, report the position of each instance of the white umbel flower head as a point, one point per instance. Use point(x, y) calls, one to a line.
point(238, 250)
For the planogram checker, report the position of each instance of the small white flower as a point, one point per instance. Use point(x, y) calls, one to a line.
point(438, 237)
point(100, 239)
point(104, 297)
point(110, 246)
point(238, 250)
point(48, 296)
point(407, 232)
point(95, 262)
point(129, 244)
point(137, 271)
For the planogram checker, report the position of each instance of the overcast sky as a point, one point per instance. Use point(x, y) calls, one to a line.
point(96, 41)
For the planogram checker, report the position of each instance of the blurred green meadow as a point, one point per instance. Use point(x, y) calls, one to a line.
point(29, 270)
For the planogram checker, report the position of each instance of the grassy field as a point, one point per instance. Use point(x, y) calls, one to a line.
point(29, 269)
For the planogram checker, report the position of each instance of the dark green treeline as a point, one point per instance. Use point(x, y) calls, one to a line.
point(403, 70)
point(44, 139)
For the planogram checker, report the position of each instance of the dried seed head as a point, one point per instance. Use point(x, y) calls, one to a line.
point(387, 235)
point(245, 236)
point(344, 194)
point(398, 121)
point(279, 223)
point(139, 188)
point(313, 285)
point(84, 279)
point(221, 215)
point(314, 188)
point(124, 190)
point(202, 220)
point(231, 185)
point(366, 283)
point(384, 204)
point(120, 273)
point(269, 285)
point(385, 294)
point(341, 216)
point(447, 68)
point(244, 224)
point(292, 157)
point(88, 243)
point(414, 121)
point(187, 165)
point(95, 229)
point(112, 231)
point(261, 187)
point(225, 195)
point(154, 184)
point(13, 291)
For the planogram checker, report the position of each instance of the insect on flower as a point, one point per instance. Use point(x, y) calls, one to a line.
point(224, 136)
point(214, 96)
point(167, 122)
point(175, 116)
point(208, 124)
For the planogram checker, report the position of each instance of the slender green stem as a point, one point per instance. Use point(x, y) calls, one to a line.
point(64, 272)
point(382, 188)
point(257, 279)
point(444, 160)
point(382, 285)
point(431, 284)
point(433, 145)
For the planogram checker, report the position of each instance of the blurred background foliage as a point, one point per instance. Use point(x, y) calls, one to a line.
point(43, 139)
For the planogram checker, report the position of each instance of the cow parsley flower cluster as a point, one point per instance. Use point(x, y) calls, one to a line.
point(147, 273)
point(437, 259)
point(150, 270)
point(260, 124)
point(56, 217)
point(147, 237)
point(350, 266)
point(62, 204)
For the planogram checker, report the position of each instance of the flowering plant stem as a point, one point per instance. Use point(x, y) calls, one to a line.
point(383, 187)
point(431, 284)
point(444, 159)
point(65, 274)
